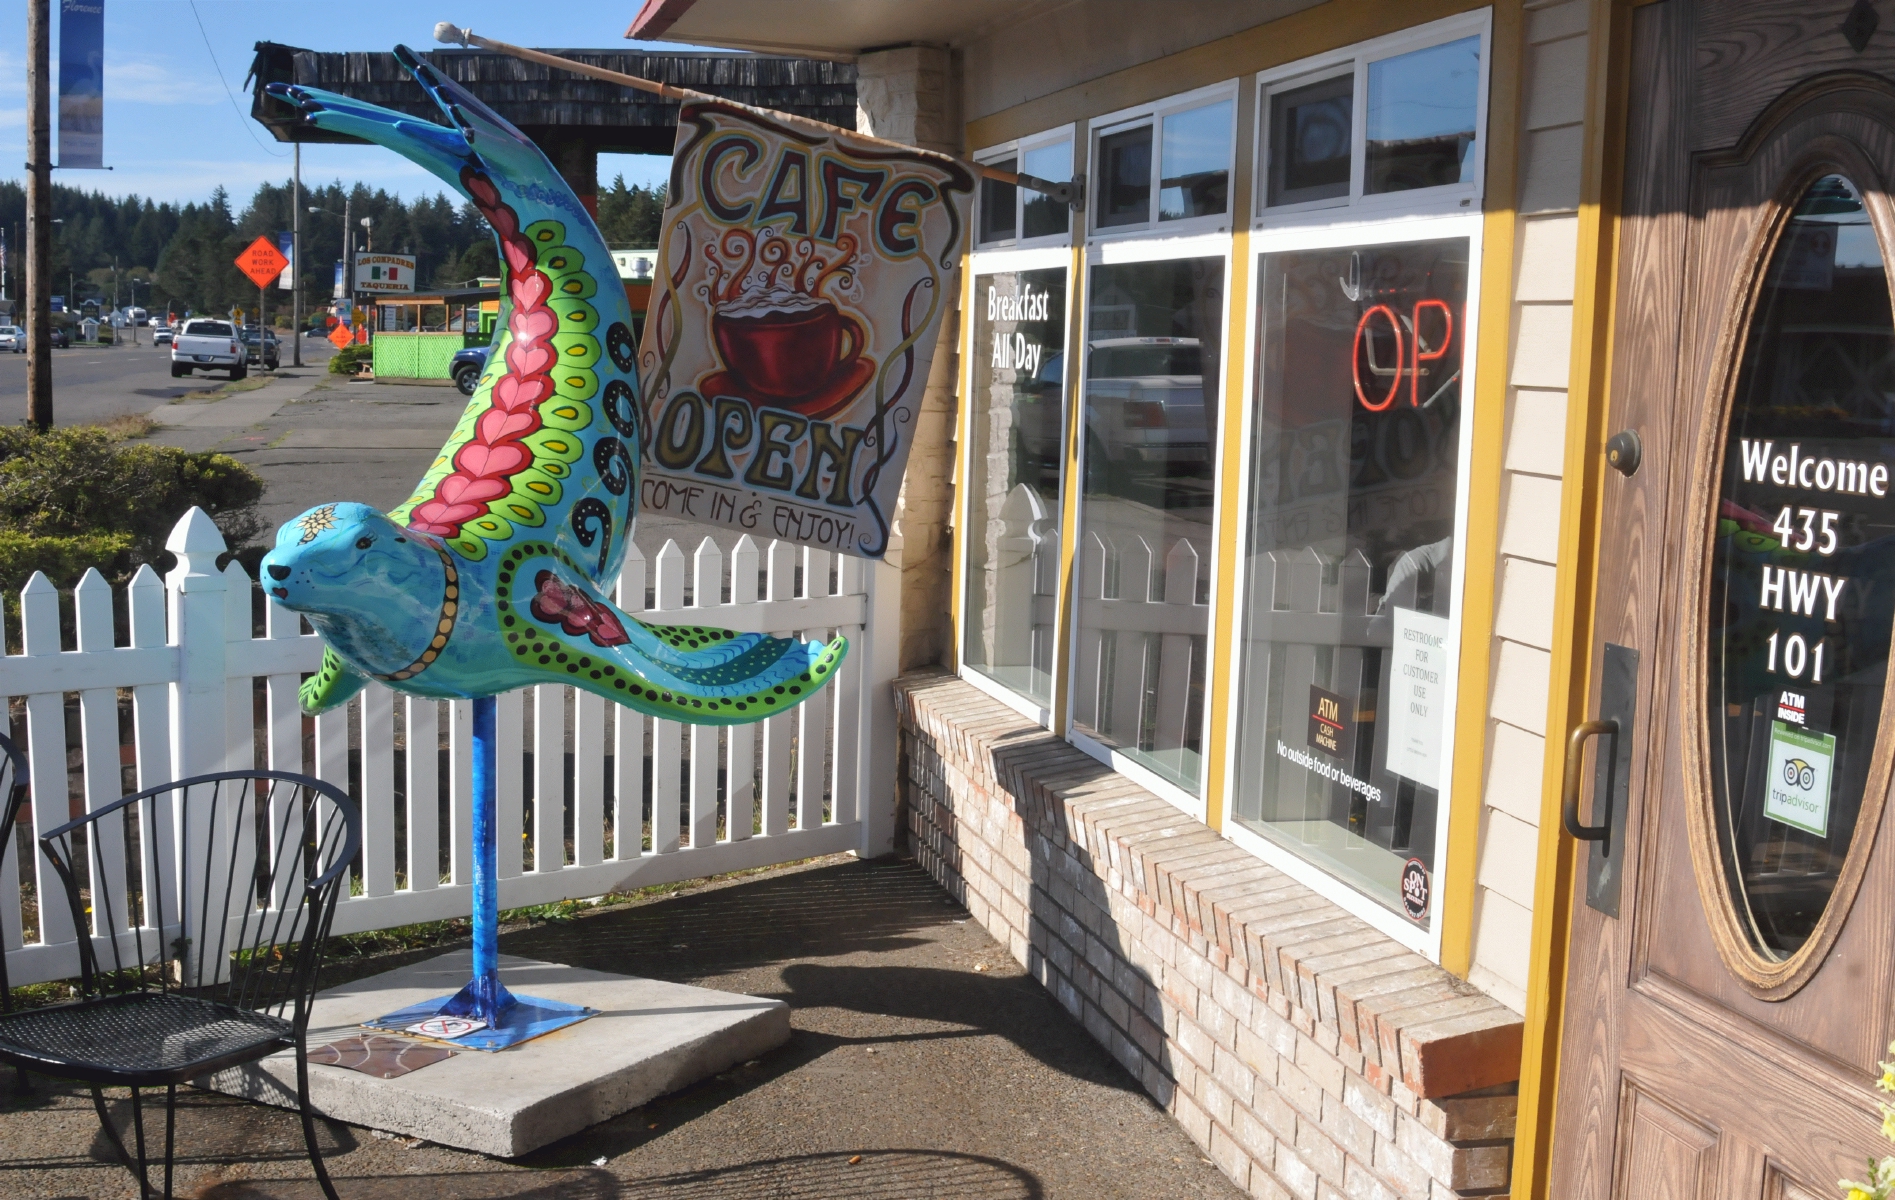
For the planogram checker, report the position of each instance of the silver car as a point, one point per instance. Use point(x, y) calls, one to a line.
point(13, 338)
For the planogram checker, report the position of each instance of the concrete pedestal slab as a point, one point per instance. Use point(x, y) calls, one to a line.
point(649, 1038)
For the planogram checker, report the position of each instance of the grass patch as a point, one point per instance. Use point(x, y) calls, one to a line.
point(249, 383)
point(129, 427)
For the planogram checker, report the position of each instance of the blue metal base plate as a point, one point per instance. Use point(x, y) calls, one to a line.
point(527, 1018)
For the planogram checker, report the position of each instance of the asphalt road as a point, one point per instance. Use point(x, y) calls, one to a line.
point(93, 384)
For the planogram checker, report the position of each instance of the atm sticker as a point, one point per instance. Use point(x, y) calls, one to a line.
point(1798, 778)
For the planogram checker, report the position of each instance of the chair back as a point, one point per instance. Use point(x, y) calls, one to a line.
point(222, 886)
point(13, 781)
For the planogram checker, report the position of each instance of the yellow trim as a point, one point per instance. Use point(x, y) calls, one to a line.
point(1221, 675)
point(1315, 30)
point(1070, 484)
point(1601, 186)
point(1488, 430)
point(957, 494)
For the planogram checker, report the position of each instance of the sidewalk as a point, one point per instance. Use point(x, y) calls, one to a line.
point(920, 1049)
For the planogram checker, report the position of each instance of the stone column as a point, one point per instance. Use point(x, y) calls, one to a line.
point(910, 94)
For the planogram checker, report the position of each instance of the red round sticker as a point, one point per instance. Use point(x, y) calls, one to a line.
point(1415, 889)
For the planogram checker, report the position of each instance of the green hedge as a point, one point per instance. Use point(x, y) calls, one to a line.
point(349, 358)
point(78, 497)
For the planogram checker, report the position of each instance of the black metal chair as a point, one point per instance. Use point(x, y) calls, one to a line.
point(13, 779)
point(207, 902)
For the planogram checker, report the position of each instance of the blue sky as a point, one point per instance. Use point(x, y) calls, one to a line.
point(171, 131)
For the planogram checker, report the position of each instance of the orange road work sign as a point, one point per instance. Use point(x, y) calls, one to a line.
point(262, 262)
point(341, 336)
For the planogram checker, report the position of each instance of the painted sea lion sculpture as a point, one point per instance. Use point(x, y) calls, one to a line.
point(492, 575)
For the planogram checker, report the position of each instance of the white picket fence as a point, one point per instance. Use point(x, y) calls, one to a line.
point(644, 801)
point(1139, 631)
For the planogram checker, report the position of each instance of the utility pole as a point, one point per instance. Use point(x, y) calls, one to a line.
point(39, 213)
point(296, 260)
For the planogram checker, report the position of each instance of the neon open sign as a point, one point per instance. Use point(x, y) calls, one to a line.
point(1412, 349)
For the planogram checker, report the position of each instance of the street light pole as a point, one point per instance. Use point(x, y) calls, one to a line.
point(296, 260)
point(39, 212)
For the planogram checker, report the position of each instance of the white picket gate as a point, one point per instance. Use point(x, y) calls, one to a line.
point(193, 691)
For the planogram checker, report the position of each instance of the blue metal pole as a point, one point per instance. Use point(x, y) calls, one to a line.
point(483, 996)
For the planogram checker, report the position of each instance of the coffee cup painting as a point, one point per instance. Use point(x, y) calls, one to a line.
point(803, 273)
point(492, 575)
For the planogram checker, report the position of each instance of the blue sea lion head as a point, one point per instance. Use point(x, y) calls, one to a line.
point(374, 590)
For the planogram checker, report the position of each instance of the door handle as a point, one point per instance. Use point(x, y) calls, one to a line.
point(1575, 764)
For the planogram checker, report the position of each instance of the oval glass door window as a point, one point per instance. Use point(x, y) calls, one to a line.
point(1803, 571)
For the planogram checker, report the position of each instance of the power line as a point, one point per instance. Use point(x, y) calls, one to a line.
point(234, 106)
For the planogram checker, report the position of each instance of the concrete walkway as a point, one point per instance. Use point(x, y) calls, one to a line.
point(924, 1063)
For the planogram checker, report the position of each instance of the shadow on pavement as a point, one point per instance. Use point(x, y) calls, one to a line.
point(873, 1175)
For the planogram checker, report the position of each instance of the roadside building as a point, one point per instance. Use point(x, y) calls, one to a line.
point(1416, 390)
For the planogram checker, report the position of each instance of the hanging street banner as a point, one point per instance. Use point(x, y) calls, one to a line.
point(262, 262)
point(802, 275)
point(81, 84)
point(286, 246)
point(385, 273)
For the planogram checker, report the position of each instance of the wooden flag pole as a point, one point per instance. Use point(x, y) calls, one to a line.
point(447, 31)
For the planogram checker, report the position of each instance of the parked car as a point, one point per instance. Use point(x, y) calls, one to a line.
point(466, 367)
point(208, 346)
point(13, 338)
point(60, 336)
point(1144, 400)
point(260, 348)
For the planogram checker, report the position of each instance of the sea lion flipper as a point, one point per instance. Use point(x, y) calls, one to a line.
point(562, 628)
point(329, 687)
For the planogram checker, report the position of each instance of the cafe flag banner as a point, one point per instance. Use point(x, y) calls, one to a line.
point(81, 84)
point(801, 280)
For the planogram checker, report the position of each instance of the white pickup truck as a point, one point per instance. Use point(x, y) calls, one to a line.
point(202, 345)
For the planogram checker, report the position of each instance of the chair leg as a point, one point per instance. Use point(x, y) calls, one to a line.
point(170, 1128)
point(138, 1137)
point(309, 1123)
point(135, 1166)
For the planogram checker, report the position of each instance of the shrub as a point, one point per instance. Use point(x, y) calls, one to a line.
point(79, 497)
point(349, 359)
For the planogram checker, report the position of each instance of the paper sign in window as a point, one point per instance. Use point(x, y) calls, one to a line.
point(1418, 695)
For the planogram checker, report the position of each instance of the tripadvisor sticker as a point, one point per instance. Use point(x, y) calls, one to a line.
point(1798, 778)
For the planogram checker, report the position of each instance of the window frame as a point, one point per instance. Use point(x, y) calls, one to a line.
point(1048, 254)
point(1152, 115)
point(1312, 874)
point(1018, 149)
point(1114, 252)
point(1355, 60)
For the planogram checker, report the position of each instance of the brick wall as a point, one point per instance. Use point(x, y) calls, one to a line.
point(1306, 1052)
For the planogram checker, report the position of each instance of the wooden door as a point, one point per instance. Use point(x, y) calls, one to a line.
point(1722, 1030)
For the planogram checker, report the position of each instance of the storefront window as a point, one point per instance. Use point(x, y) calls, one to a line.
point(1310, 130)
point(1125, 177)
point(997, 202)
point(1041, 215)
point(1152, 372)
point(1396, 115)
point(1802, 582)
point(1016, 440)
point(1346, 666)
point(1421, 118)
point(1178, 151)
point(1196, 163)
